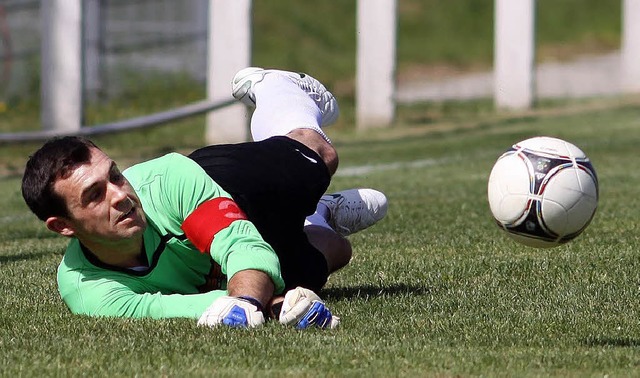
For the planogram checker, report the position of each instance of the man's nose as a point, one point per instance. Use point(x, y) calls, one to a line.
point(118, 195)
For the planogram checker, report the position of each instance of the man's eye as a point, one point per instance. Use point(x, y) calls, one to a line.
point(116, 177)
point(95, 195)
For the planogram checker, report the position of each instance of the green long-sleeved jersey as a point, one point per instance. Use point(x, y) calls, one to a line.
point(177, 282)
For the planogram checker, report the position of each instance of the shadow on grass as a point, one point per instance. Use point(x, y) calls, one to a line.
point(27, 256)
point(624, 342)
point(29, 235)
point(367, 291)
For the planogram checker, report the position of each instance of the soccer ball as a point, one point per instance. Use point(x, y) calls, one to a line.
point(543, 192)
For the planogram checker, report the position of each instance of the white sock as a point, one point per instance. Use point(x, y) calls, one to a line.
point(281, 107)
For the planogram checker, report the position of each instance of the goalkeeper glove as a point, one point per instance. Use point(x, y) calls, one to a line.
point(242, 312)
point(302, 308)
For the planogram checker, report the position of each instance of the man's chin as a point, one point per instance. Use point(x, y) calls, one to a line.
point(138, 228)
point(134, 229)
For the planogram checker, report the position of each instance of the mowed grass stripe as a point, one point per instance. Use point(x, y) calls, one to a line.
point(435, 289)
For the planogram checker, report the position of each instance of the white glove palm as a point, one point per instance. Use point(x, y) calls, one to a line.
point(233, 312)
point(303, 308)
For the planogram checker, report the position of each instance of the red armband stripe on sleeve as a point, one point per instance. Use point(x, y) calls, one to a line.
point(208, 219)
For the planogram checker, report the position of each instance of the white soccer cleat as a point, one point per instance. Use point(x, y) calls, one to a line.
point(354, 210)
point(244, 81)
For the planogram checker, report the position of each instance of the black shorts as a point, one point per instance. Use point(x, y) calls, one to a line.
point(277, 182)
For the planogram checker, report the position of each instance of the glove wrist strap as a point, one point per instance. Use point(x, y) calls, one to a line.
point(253, 301)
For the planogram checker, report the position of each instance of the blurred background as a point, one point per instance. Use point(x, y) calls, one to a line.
point(152, 53)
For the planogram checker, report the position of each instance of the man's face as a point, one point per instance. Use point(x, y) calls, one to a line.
point(104, 210)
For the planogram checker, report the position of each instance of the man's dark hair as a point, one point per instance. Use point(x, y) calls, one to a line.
point(56, 159)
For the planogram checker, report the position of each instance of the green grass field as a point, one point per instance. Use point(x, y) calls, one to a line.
point(436, 289)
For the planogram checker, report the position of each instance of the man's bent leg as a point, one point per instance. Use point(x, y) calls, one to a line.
point(317, 143)
point(277, 183)
point(335, 248)
point(284, 101)
point(289, 104)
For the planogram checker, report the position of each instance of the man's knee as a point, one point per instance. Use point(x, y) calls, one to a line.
point(330, 157)
point(317, 143)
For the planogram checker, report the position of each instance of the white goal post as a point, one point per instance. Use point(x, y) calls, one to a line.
point(61, 65)
point(630, 50)
point(229, 51)
point(514, 53)
point(376, 27)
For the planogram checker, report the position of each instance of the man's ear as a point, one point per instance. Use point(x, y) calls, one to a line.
point(60, 225)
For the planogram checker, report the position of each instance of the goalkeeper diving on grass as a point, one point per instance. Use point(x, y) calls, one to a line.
point(232, 234)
